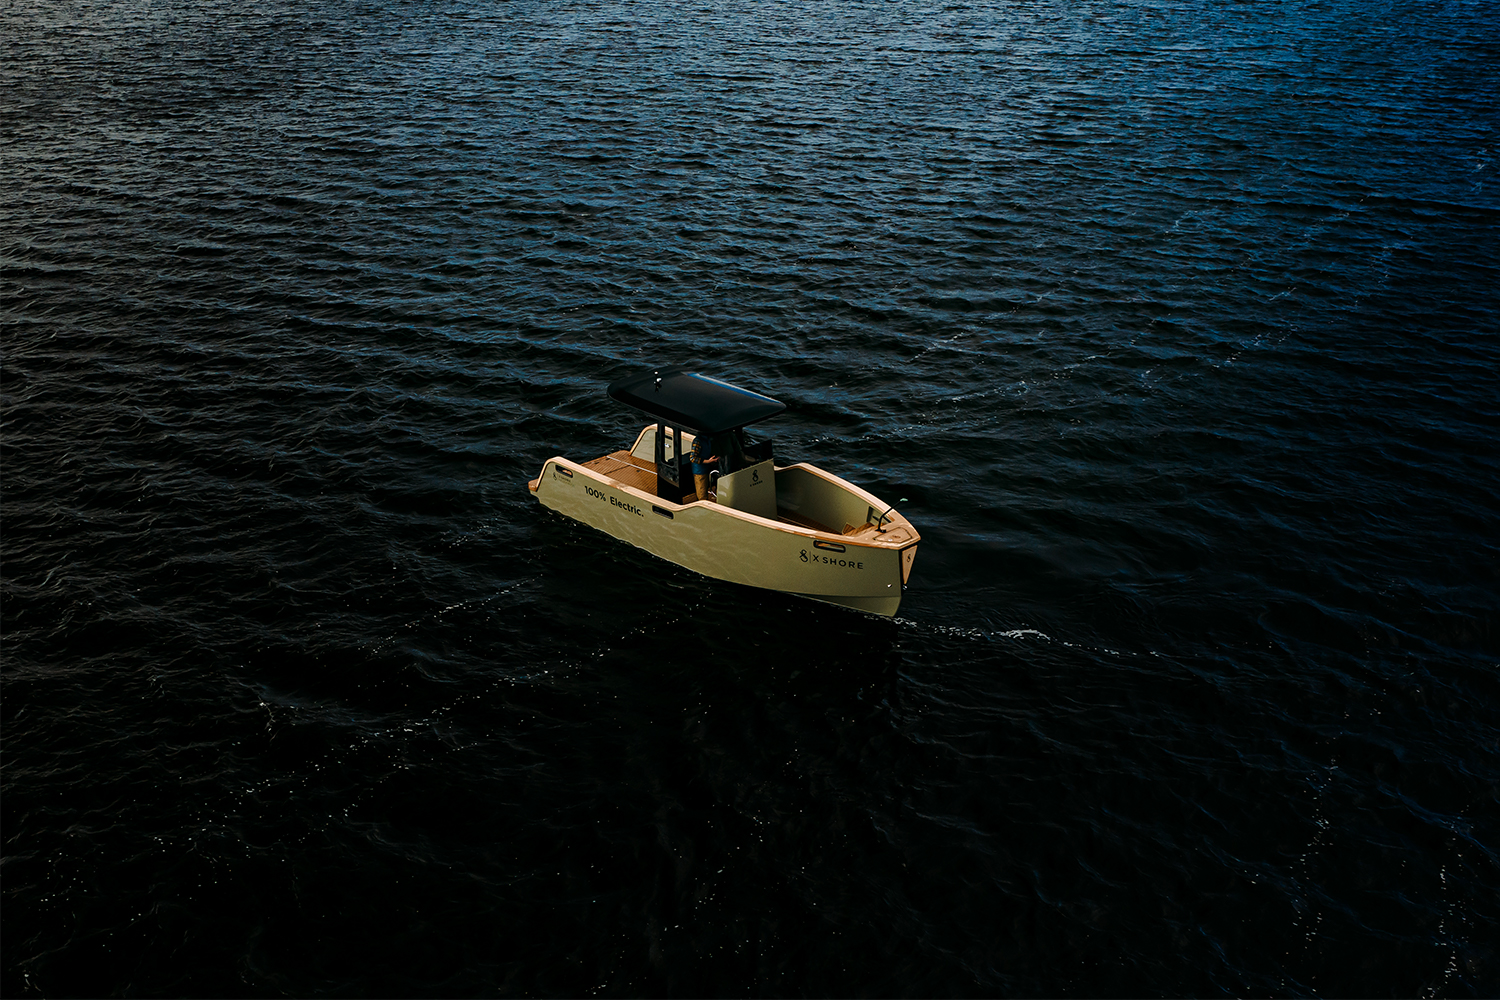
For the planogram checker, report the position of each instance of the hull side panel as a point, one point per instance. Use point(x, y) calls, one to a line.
point(717, 542)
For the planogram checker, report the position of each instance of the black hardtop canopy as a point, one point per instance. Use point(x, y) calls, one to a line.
point(695, 403)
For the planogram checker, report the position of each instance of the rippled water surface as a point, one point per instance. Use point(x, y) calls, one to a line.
point(1172, 327)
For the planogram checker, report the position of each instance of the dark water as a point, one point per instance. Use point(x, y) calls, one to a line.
point(1172, 327)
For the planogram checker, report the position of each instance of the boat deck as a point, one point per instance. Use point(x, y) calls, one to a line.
point(630, 470)
point(627, 470)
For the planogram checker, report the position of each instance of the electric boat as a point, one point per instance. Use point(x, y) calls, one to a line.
point(696, 490)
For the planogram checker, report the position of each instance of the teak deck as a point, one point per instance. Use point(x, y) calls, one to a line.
point(627, 470)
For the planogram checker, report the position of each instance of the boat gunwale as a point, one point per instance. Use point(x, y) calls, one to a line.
point(877, 542)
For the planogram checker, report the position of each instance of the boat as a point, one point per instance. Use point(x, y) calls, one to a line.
point(696, 490)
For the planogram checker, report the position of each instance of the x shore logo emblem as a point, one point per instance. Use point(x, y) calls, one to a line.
point(830, 561)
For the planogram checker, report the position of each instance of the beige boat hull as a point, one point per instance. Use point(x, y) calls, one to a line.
point(865, 569)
